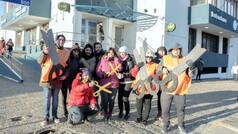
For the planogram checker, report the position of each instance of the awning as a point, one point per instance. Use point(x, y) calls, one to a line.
point(144, 21)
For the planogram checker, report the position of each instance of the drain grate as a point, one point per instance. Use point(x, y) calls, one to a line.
point(14, 119)
point(45, 131)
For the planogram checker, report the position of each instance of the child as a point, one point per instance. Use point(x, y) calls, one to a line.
point(81, 101)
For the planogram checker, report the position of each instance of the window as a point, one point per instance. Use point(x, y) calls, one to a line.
point(225, 46)
point(210, 70)
point(210, 42)
point(191, 39)
point(223, 69)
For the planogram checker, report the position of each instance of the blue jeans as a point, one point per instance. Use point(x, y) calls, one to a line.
point(48, 94)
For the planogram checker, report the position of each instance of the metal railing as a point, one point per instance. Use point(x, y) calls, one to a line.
point(14, 64)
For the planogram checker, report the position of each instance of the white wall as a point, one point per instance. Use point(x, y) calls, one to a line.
point(62, 21)
point(154, 35)
point(233, 54)
point(177, 12)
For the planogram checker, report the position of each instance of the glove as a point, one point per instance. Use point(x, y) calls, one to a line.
point(140, 64)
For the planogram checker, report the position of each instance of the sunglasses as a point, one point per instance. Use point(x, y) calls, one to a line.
point(149, 57)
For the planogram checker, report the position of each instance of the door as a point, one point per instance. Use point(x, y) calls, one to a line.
point(118, 37)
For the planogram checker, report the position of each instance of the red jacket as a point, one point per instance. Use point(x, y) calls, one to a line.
point(81, 93)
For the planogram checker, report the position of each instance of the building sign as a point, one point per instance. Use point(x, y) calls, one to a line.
point(222, 19)
point(63, 6)
point(22, 2)
point(170, 27)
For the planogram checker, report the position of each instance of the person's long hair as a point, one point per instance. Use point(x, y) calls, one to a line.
point(84, 55)
point(113, 50)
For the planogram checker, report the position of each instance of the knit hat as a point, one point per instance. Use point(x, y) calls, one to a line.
point(123, 49)
point(162, 49)
point(149, 53)
point(175, 46)
point(85, 72)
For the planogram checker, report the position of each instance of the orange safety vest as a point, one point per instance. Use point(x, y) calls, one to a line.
point(184, 81)
point(46, 67)
point(151, 71)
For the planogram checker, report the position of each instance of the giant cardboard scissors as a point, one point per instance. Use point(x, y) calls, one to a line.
point(144, 81)
point(173, 75)
point(57, 68)
point(101, 88)
point(114, 69)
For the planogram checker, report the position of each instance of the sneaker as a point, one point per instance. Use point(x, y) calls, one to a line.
point(56, 120)
point(127, 116)
point(138, 120)
point(165, 129)
point(45, 122)
point(70, 122)
point(145, 122)
point(120, 115)
point(158, 116)
point(182, 130)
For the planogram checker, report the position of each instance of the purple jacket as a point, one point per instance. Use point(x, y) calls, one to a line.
point(104, 68)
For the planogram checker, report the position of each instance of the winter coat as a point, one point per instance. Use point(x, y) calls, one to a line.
point(184, 81)
point(151, 71)
point(103, 68)
point(127, 65)
point(46, 66)
point(90, 64)
point(80, 94)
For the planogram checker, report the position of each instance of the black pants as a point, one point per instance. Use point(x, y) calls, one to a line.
point(67, 85)
point(158, 102)
point(108, 101)
point(143, 106)
point(198, 77)
point(79, 113)
point(166, 101)
point(123, 97)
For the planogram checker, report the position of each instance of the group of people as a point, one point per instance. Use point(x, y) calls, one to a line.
point(6, 46)
point(84, 69)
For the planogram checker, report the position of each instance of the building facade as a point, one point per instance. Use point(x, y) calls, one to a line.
point(211, 24)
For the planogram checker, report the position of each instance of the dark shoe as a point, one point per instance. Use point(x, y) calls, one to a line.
point(45, 122)
point(70, 122)
point(145, 122)
point(158, 116)
point(165, 129)
point(120, 115)
point(127, 116)
point(138, 120)
point(182, 130)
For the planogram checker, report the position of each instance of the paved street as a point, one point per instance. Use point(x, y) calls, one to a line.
point(212, 108)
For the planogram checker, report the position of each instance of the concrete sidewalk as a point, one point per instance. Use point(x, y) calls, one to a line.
point(212, 108)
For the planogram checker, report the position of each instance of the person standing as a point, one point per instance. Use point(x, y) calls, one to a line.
point(74, 65)
point(199, 65)
point(98, 54)
point(10, 45)
point(52, 86)
point(143, 105)
point(125, 82)
point(88, 59)
point(105, 72)
point(161, 52)
point(168, 63)
point(2, 46)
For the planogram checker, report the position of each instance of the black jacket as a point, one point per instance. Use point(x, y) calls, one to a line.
point(127, 65)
